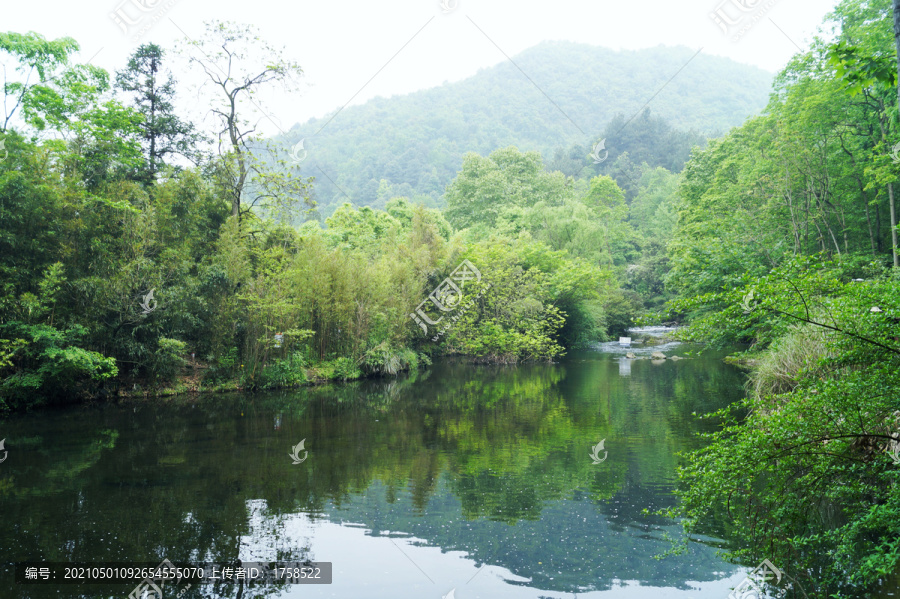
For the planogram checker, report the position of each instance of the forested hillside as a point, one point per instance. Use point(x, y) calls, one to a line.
point(414, 143)
point(494, 237)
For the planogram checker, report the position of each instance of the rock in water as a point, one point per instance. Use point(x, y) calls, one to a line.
point(630, 355)
point(676, 358)
point(658, 355)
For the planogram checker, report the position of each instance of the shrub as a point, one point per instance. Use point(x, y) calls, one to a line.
point(345, 369)
point(167, 360)
point(40, 361)
point(287, 372)
point(342, 369)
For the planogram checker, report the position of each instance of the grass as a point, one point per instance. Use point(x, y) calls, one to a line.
point(795, 355)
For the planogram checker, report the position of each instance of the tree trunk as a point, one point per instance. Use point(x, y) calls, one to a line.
point(872, 233)
point(893, 215)
point(878, 243)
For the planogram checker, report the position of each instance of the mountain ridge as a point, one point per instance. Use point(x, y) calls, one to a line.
point(416, 141)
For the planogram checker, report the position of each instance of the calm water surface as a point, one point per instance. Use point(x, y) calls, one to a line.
point(471, 479)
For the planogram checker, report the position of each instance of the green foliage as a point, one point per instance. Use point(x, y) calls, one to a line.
point(621, 307)
point(804, 474)
point(44, 363)
point(167, 360)
point(37, 62)
point(339, 369)
point(284, 373)
point(163, 133)
point(511, 314)
point(488, 190)
point(783, 232)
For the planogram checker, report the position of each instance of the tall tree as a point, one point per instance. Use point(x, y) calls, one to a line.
point(163, 132)
point(239, 63)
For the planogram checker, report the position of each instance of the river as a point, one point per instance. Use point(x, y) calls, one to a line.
point(459, 481)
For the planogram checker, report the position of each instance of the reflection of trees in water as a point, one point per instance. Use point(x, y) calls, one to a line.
point(510, 443)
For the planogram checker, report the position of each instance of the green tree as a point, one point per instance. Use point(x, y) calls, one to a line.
point(225, 55)
point(499, 187)
point(163, 132)
point(34, 56)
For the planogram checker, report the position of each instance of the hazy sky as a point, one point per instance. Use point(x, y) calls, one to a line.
point(413, 43)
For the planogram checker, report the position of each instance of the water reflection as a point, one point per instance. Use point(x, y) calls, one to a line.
point(411, 487)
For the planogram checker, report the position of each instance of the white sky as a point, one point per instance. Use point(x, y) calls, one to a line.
point(342, 44)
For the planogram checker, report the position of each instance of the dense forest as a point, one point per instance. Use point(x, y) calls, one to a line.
point(133, 261)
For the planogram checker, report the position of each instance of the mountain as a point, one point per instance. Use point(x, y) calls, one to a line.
point(415, 142)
